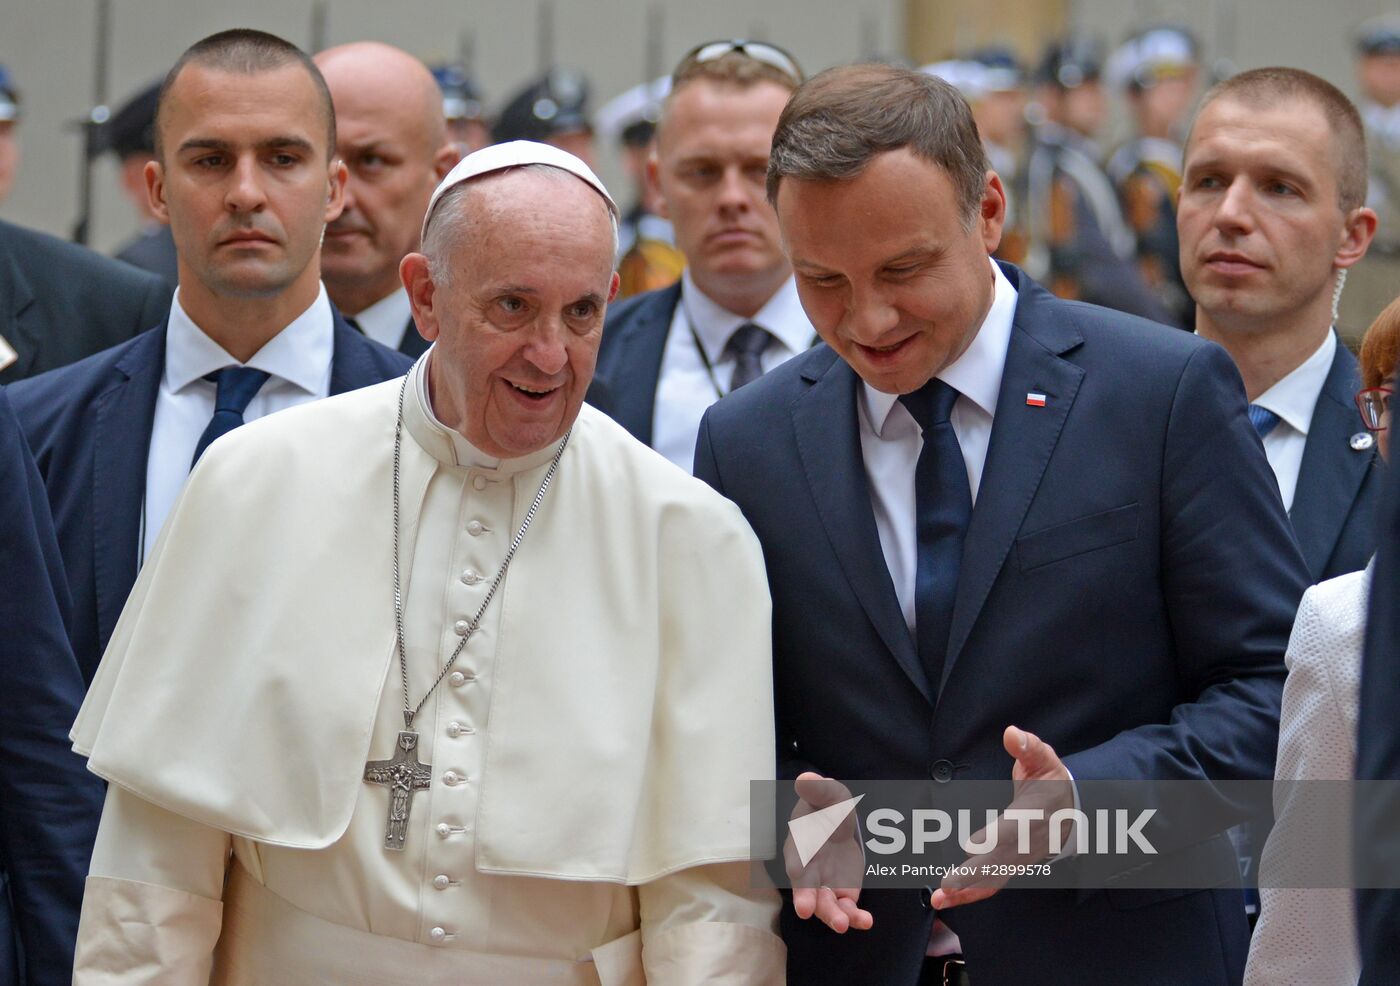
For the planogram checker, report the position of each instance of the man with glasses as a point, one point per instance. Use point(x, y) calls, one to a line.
point(669, 354)
point(1270, 218)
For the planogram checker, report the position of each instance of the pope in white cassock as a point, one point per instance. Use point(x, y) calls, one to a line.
point(448, 680)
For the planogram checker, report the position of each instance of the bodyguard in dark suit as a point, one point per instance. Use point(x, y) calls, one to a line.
point(1062, 524)
point(1270, 218)
point(669, 354)
point(392, 137)
point(251, 330)
point(60, 302)
point(90, 427)
point(49, 803)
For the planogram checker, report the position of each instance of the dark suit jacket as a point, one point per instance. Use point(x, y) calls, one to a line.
point(629, 359)
point(153, 250)
point(1334, 505)
point(1377, 820)
point(412, 344)
point(49, 803)
point(1127, 589)
point(60, 302)
point(89, 426)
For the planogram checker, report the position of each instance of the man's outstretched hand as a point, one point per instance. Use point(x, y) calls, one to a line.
point(1052, 790)
point(836, 862)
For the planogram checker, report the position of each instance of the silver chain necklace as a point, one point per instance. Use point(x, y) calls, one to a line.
point(404, 774)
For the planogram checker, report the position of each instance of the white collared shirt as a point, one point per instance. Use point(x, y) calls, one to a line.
point(1293, 399)
point(686, 387)
point(298, 358)
point(386, 320)
point(891, 440)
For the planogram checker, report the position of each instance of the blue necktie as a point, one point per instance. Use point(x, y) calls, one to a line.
point(747, 344)
point(1262, 419)
point(943, 507)
point(237, 385)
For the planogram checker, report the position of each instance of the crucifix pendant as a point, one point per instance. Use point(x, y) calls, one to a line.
point(404, 776)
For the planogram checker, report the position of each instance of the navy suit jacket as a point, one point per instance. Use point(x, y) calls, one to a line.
point(60, 302)
point(89, 426)
point(1128, 585)
point(629, 359)
point(1377, 820)
point(49, 803)
point(153, 250)
point(1334, 505)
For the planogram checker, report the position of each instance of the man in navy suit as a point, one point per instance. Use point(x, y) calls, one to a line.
point(669, 354)
point(1271, 215)
point(1006, 535)
point(49, 803)
point(392, 136)
point(247, 179)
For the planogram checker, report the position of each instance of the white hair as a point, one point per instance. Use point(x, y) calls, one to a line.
point(449, 226)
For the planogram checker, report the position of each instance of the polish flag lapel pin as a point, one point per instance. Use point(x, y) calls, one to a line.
point(1035, 400)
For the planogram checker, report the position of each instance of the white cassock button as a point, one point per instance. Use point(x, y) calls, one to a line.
point(470, 577)
point(441, 882)
point(456, 679)
point(479, 482)
point(443, 830)
point(437, 934)
point(476, 528)
point(454, 729)
point(461, 627)
point(451, 777)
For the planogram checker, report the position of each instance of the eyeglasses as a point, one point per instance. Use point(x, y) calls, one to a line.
point(760, 51)
point(1373, 403)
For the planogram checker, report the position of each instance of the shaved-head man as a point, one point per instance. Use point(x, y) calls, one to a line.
point(392, 137)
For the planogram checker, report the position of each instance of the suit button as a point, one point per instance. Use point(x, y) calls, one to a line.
point(926, 897)
point(941, 771)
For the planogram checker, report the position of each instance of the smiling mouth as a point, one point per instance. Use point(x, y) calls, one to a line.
point(882, 351)
point(536, 395)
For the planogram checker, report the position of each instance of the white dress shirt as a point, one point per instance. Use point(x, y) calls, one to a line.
point(686, 387)
point(1293, 399)
point(891, 440)
point(386, 320)
point(298, 359)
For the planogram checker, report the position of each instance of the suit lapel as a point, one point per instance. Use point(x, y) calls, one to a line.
point(351, 364)
point(632, 379)
point(18, 331)
point(1331, 473)
point(124, 416)
point(828, 443)
point(1023, 439)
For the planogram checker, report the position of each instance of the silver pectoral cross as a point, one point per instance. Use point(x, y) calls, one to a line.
point(404, 776)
